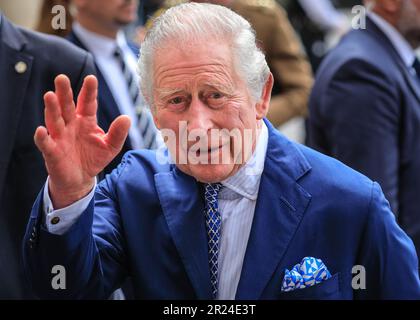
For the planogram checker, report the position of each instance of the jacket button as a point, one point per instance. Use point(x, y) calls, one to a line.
point(55, 220)
point(21, 67)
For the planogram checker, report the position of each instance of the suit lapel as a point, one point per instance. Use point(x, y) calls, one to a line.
point(14, 81)
point(179, 196)
point(280, 207)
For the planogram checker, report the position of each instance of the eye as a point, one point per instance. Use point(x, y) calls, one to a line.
point(215, 99)
point(177, 103)
point(215, 95)
point(177, 100)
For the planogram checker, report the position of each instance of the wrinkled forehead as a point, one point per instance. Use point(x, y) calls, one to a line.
point(192, 59)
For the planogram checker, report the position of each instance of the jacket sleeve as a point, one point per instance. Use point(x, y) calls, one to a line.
point(92, 251)
point(387, 254)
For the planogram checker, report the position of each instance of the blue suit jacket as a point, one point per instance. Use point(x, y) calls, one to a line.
point(365, 111)
point(22, 169)
point(108, 109)
point(147, 221)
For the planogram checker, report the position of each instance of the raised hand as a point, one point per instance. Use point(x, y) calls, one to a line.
point(74, 147)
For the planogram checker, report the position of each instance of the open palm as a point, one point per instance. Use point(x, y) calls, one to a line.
point(74, 147)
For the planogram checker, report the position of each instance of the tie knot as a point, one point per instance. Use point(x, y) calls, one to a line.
point(211, 191)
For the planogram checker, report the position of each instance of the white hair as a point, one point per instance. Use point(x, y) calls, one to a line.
point(194, 22)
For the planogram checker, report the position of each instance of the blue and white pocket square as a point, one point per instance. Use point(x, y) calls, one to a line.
point(309, 272)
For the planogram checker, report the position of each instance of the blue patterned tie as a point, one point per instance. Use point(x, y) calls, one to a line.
point(213, 224)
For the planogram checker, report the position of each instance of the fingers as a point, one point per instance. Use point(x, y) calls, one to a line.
point(44, 142)
point(64, 94)
point(118, 132)
point(53, 118)
point(86, 101)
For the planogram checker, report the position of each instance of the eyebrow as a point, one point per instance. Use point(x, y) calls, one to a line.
point(226, 89)
point(164, 93)
point(167, 92)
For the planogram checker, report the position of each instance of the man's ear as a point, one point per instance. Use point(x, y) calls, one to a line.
point(264, 103)
point(156, 120)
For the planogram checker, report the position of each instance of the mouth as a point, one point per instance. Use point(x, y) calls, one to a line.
point(210, 152)
point(214, 149)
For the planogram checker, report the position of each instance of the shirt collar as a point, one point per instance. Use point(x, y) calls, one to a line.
point(98, 45)
point(246, 181)
point(400, 44)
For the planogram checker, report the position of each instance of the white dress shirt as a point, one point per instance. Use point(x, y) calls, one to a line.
point(103, 48)
point(405, 51)
point(237, 201)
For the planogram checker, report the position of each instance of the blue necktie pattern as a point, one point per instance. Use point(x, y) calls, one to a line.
point(213, 225)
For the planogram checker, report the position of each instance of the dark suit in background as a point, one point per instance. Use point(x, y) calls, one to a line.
point(365, 111)
point(29, 62)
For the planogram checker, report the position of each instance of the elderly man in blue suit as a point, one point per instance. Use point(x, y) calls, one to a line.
point(365, 106)
point(246, 215)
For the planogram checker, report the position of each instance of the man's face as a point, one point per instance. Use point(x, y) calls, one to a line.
point(197, 85)
point(116, 12)
point(409, 21)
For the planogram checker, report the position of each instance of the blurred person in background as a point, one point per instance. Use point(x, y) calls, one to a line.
point(314, 21)
point(29, 62)
point(147, 9)
point(97, 28)
point(365, 105)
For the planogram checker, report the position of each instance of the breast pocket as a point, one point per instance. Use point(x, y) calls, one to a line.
point(326, 290)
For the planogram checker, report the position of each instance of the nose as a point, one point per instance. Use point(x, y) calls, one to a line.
point(200, 116)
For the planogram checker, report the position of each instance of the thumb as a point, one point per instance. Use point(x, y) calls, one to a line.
point(118, 132)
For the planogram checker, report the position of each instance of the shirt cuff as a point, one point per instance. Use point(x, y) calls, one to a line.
point(59, 221)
